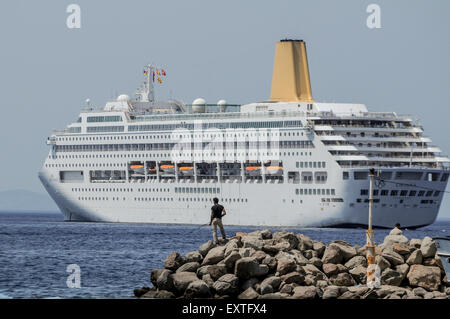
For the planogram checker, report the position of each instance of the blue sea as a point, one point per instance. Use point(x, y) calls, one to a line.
point(36, 248)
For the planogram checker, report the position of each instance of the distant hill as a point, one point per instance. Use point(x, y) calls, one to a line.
point(23, 200)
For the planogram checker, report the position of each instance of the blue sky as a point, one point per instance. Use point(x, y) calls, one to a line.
point(214, 50)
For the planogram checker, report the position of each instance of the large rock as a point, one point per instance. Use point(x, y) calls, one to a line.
point(305, 243)
point(191, 266)
point(348, 295)
point(271, 262)
point(299, 258)
point(427, 277)
point(154, 274)
point(343, 279)
point(214, 255)
point(285, 266)
point(197, 289)
point(193, 256)
point(293, 278)
point(231, 259)
point(246, 252)
point(288, 237)
point(275, 248)
point(402, 270)
point(138, 292)
point(208, 280)
point(181, 280)
point(356, 261)
point(359, 274)
point(206, 247)
point(252, 242)
point(233, 245)
point(287, 288)
point(428, 247)
point(165, 280)
point(173, 261)
point(347, 250)
point(313, 270)
point(265, 289)
point(316, 262)
point(393, 258)
point(275, 295)
point(227, 285)
point(393, 239)
point(330, 269)
point(215, 271)
point(259, 255)
point(332, 255)
point(331, 292)
point(249, 293)
point(382, 262)
point(160, 294)
point(266, 234)
point(304, 292)
point(419, 291)
point(249, 267)
point(415, 258)
point(252, 282)
point(391, 277)
point(402, 249)
point(272, 281)
point(320, 248)
point(415, 242)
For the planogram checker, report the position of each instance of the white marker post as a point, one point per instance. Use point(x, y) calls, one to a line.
point(373, 274)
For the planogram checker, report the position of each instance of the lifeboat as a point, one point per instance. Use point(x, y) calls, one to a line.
point(253, 170)
point(274, 169)
point(137, 168)
point(186, 170)
point(168, 168)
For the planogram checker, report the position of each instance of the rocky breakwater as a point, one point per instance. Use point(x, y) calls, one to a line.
point(262, 265)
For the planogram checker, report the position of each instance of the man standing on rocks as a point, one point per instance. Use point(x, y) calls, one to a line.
point(217, 212)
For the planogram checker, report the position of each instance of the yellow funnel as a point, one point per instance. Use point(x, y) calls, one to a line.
point(290, 79)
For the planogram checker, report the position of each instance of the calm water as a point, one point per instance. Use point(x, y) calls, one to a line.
point(36, 248)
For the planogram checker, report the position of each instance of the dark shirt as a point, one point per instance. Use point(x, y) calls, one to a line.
point(217, 211)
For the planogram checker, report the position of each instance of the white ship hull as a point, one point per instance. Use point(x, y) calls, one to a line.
point(266, 205)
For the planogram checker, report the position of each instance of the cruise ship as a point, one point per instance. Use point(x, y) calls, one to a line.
point(286, 161)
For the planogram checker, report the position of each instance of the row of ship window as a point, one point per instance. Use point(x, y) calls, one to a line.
point(192, 199)
point(315, 191)
point(217, 125)
point(166, 155)
point(395, 192)
point(141, 137)
point(377, 200)
point(197, 190)
point(401, 175)
point(100, 198)
point(310, 164)
point(190, 146)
